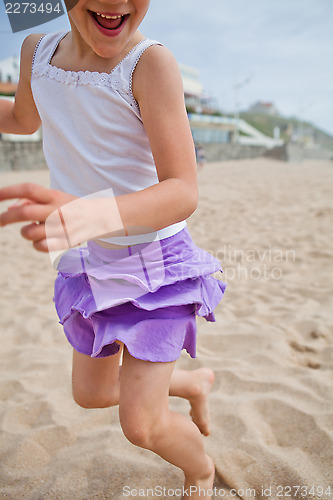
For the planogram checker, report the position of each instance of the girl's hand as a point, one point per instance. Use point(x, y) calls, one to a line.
point(60, 221)
point(36, 204)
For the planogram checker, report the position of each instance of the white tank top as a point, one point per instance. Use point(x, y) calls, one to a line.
point(93, 135)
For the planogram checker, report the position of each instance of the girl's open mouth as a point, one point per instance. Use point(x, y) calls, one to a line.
point(112, 22)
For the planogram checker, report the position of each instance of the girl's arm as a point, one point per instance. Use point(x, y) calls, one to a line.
point(158, 89)
point(21, 116)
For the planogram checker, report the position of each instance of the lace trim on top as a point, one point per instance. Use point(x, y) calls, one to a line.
point(79, 77)
point(34, 54)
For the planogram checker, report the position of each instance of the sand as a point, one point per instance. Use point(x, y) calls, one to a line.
point(270, 224)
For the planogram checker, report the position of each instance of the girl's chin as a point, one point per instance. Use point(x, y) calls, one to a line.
point(103, 49)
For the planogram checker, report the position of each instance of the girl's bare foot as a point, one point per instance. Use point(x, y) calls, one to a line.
point(200, 487)
point(203, 379)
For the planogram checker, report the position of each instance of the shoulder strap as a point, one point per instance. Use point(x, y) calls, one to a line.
point(127, 66)
point(45, 48)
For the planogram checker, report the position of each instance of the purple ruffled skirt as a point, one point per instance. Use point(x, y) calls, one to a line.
point(146, 296)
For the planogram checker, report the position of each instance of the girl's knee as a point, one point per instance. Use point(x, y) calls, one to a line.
point(141, 429)
point(92, 399)
point(136, 433)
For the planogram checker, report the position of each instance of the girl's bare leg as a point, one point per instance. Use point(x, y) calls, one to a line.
point(147, 422)
point(96, 384)
point(96, 381)
point(194, 385)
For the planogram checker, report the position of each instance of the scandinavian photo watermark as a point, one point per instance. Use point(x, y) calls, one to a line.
point(266, 263)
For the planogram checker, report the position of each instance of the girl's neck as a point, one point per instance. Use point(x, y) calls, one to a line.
point(73, 54)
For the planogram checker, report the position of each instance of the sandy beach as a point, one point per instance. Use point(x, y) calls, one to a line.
point(270, 225)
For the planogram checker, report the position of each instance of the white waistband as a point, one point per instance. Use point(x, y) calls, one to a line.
point(166, 232)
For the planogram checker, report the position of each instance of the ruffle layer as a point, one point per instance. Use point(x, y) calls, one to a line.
point(124, 294)
point(157, 336)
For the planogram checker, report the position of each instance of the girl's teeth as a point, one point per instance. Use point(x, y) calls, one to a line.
point(108, 17)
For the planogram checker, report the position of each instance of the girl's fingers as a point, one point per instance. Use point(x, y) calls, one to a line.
point(33, 232)
point(20, 203)
point(26, 212)
point(53, 239)
point(41, 246)
point(36, 234)
point(33, 192)
point(37, 205)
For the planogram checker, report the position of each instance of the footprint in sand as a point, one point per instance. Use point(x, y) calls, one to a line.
point(293, 427)
point(302, 355)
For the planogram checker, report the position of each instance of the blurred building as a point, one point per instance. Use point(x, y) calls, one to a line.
point(10, 69)
point(208, 129)
point(193, 89)
point(196, 100)
point(9, 74)
point(207, 124)
point(263, 108)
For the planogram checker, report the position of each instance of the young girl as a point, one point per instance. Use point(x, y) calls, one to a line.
point(123, 177)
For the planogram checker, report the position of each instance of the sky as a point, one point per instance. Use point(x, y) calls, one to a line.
point(281, 52)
